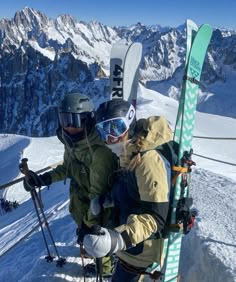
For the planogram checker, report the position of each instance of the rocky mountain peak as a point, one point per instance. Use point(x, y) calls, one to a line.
point(29, 17)
point(42, 59)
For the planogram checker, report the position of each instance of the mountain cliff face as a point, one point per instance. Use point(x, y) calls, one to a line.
point(41, 59)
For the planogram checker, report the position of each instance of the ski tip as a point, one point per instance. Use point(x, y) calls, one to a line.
point(206, 27)
point(138, 44)
point(207, 30)
point(191, 23)
point(137, 49)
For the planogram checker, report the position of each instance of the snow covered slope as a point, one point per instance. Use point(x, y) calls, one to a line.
point(209, 251)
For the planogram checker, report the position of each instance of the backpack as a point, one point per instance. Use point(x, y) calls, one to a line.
point(184, 216)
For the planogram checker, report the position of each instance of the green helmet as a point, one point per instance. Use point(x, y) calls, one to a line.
point(75, 110)
point(76, 103)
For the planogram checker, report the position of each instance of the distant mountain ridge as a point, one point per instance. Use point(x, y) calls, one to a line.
point(41, 59)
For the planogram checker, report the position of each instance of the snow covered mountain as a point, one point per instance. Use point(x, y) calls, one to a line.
point(208, 253)
point(41, 59)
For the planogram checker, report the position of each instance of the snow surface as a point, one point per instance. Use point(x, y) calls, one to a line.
point(208, 252)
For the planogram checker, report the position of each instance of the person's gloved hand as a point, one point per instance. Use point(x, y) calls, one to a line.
point(100, 202)
point(81, 231)
point(102, 242)
point(36, 181)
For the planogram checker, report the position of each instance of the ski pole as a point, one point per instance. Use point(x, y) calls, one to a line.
point(23, 166)
point(99, 265)
point(49, 257)
point(60, 260)
point(38, 206)
point(82, 259)
point(99, 269)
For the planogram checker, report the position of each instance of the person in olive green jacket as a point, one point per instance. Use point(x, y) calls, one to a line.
point(88, 163)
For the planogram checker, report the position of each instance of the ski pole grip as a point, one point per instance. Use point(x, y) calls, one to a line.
point(23, 166)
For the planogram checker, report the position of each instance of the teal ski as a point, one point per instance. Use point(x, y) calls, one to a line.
point(191, 29)
point(183, 136)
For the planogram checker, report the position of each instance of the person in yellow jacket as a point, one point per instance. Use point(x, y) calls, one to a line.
point(140, 194)
point(87, 162)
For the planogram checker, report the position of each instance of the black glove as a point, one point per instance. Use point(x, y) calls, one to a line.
point(81, 231)
point(36, 181)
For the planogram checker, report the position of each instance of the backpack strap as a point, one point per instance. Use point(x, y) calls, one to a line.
point(178, 170)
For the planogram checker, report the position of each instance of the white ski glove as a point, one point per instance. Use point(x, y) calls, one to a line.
point(104, 242)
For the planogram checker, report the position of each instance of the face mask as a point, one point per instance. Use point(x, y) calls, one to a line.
point(117, 148)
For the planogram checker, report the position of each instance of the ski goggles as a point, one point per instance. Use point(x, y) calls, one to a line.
point(113, 128)
point(75, 120)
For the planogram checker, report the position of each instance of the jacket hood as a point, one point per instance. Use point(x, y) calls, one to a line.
point(155, 131)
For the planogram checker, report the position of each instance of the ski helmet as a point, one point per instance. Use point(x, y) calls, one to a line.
point(75, 110)
point(114, 118)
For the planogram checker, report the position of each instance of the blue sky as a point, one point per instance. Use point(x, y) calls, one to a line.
point(128, 12)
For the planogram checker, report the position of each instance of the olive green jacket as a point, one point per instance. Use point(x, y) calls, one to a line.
point(89, 164)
